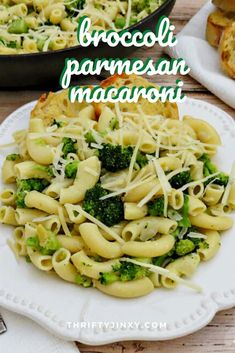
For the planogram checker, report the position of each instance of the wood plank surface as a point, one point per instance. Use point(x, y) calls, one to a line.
point(219, 335)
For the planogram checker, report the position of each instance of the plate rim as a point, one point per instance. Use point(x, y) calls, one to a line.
point(209, 305)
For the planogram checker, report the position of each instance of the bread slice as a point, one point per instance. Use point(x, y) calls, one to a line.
point(216, 23)
point(226, 5)
point(167, 109)
point(227, 51)
point(55, 105)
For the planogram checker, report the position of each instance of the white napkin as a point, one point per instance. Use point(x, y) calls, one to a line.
point(25, 336)
point(203, 59)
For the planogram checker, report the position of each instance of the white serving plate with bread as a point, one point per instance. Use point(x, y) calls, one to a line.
point(54, 304)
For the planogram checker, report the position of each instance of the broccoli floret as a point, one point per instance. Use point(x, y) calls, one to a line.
point(159, 260)
point(32, 184)
point(27, 259)
point(129, 271)
point(221, 179)
point(120, 22)
point(18, 26)
point(10, 44)
point(13, 157)
point(51, 246)
point(83, 281)
point(114, 124)
point(185, 221)
point(184, 246)
point(124, 271)
point(203, 245)
point(180, 179)
point(58, 123)
point(109, 211)
point(176, 232)
point(74, 4)
point(49, 170)
point(71, 169)
point(141, 159)
point(210, 168)
point(140, 5)
point(115, 157)
point(96, 258)
point(108, 277)
point(199, 243)
point(25, 185)
point(156, 207)
point(89, 138)
point(69, 146)
point(20, 196)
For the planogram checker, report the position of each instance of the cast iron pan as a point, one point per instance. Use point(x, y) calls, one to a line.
point(43, 69)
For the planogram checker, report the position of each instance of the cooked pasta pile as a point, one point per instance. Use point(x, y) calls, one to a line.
point(115, 198)
point(40, 25)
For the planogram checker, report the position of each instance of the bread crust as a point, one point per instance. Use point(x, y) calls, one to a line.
point(55, 105)
point(216, 23)
point(52, 105)
point(226, 5)
point(227, 51)
point(167, 109)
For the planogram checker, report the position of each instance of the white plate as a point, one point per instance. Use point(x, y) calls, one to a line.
point(52, 302)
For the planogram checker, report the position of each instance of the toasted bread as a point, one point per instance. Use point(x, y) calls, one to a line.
point(216, 23)
point(226, 5)
point(227, 51)
point(167, 109)
point(56, 105)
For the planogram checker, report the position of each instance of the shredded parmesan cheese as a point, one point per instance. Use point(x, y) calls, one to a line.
point(100, 224)
point(164, 272)
point(63, 222)
point(128, 15)
point(166, 187)
point(196, 235)
point(96, 145)
point(229, 185)
point(133, 159)
point(193, 183)
point(91, 171)
point(119, 114)
point(126, 189)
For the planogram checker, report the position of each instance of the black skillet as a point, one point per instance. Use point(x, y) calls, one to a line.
point(43, 69)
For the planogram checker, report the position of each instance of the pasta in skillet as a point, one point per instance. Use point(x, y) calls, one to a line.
point(122, 200)
point(38, 25)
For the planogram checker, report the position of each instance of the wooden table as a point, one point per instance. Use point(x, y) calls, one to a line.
point(219, 335)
